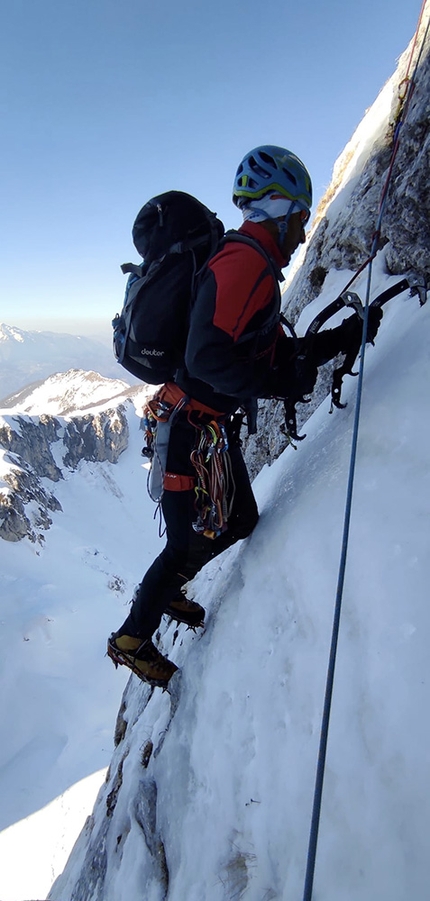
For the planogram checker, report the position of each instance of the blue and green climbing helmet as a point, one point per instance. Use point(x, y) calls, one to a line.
point(270, 168)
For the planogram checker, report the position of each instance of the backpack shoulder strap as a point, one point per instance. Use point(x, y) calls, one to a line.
point(273, 269)
point(290, 328)
point(233, 235)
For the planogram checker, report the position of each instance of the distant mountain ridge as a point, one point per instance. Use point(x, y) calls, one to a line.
point(64, 393)
point(27, 357)
point(68, 418)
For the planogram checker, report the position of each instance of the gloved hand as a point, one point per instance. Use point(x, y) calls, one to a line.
point(373, 323)
point(352, 328)
point(290, 375)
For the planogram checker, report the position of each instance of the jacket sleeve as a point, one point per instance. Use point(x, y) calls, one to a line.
point(233, 300)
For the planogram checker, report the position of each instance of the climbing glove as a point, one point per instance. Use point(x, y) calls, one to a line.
point(352, 328)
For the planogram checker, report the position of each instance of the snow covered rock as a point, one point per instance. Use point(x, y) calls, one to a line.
point(345, 221)
point(39, 447)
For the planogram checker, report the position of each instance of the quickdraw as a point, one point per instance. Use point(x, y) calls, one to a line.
point(150, 421)
point(214, 490)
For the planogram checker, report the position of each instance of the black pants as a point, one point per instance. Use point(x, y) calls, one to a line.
point(186, 551)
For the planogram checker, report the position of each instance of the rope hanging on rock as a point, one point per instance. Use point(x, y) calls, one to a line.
point(319, 780)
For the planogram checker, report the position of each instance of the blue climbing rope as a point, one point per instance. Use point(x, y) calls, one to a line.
point(319, 780)
point(325, 722)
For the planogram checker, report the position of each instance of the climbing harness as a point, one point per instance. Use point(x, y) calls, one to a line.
point(421, 291)
point(213, 483)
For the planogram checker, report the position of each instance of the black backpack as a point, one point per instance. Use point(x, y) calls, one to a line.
point(176, 235)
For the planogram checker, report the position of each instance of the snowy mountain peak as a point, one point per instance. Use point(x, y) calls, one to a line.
point(8, 333)
point(68, 392)
point(50, 430)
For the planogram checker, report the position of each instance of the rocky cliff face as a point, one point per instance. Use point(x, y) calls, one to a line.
point(347, 215)
point(36, 449)
point(346, 219)
point(104, 838)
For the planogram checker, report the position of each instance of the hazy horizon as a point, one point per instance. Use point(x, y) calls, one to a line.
point(100, 329)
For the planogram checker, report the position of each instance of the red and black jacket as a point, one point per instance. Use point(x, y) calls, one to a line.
point(236, 349)
point(237, 297)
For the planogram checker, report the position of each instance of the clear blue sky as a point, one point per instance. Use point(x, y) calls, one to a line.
point(107, 102)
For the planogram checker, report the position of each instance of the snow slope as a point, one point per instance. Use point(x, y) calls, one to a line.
point(228, 788)
point(234, 773)
point(58, 602)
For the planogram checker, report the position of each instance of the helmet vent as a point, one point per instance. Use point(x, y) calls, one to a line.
point(259, 170)
point(290, 176)
point(267, 159)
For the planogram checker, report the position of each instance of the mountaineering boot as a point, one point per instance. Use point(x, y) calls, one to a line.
point(142, 658)
point(185, 611)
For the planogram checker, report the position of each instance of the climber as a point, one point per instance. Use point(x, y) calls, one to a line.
point(236, 352)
